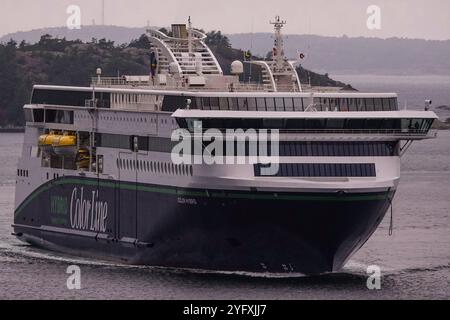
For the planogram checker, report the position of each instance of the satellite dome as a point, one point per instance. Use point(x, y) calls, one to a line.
point(237, 67)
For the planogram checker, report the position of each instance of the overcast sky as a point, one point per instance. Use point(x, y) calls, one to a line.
point(429, 19)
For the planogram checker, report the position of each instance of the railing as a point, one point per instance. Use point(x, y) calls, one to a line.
point(117, 81)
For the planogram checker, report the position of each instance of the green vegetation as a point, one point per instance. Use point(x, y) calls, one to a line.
point(63, 62)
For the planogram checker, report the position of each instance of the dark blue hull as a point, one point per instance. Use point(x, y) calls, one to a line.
point(206, 229)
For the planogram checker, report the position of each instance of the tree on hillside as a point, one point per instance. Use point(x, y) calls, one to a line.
point(216, 38)
point(142, 43)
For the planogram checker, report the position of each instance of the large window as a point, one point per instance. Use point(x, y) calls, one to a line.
point(279, 104)
point(58, 116)
point(69, 98)
point(299, 104)
point(38, 115)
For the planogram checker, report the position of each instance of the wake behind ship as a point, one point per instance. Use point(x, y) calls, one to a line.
point(97, 177)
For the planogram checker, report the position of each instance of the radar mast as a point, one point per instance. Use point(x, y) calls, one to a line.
point(278, 49)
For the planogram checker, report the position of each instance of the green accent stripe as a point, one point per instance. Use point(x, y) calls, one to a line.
point(197, 193)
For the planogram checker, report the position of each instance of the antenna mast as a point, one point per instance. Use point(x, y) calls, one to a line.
point(189, 36)
point(278, 50)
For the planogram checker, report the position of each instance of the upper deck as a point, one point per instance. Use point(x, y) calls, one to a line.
point(182, 61)
point(186, 76)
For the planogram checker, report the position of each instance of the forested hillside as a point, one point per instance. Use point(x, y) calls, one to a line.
point(73, 62)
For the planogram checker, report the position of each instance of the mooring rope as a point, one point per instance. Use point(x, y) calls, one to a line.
point(391, 225)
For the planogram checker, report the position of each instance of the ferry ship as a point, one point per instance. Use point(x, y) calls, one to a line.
point(97, 178)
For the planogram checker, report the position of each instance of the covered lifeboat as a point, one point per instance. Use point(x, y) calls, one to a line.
point(65, 145)
point(46, 141)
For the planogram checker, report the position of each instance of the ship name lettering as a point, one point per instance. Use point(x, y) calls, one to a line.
point(88, 214)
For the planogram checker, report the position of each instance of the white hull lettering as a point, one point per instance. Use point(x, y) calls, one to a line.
point(88, 214)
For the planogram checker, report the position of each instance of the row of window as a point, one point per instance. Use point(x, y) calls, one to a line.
point(129, 119)
point(355, 104)
point(241, 148)
point(134, 143)
point(49, 115)
point(293, 104)
point(171, 103)
point(417, 125)
point(338, 149)
point(321, 170)
point(250, 104)
point(22, 173)
point(155, 167)
point(299, 149)
point(67, 117)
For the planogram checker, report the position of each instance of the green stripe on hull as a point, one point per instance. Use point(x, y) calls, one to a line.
point(197, 193)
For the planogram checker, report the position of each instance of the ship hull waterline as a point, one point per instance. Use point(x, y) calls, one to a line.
point(200, 229)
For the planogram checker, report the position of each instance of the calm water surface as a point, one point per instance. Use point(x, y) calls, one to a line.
point(415, 261)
